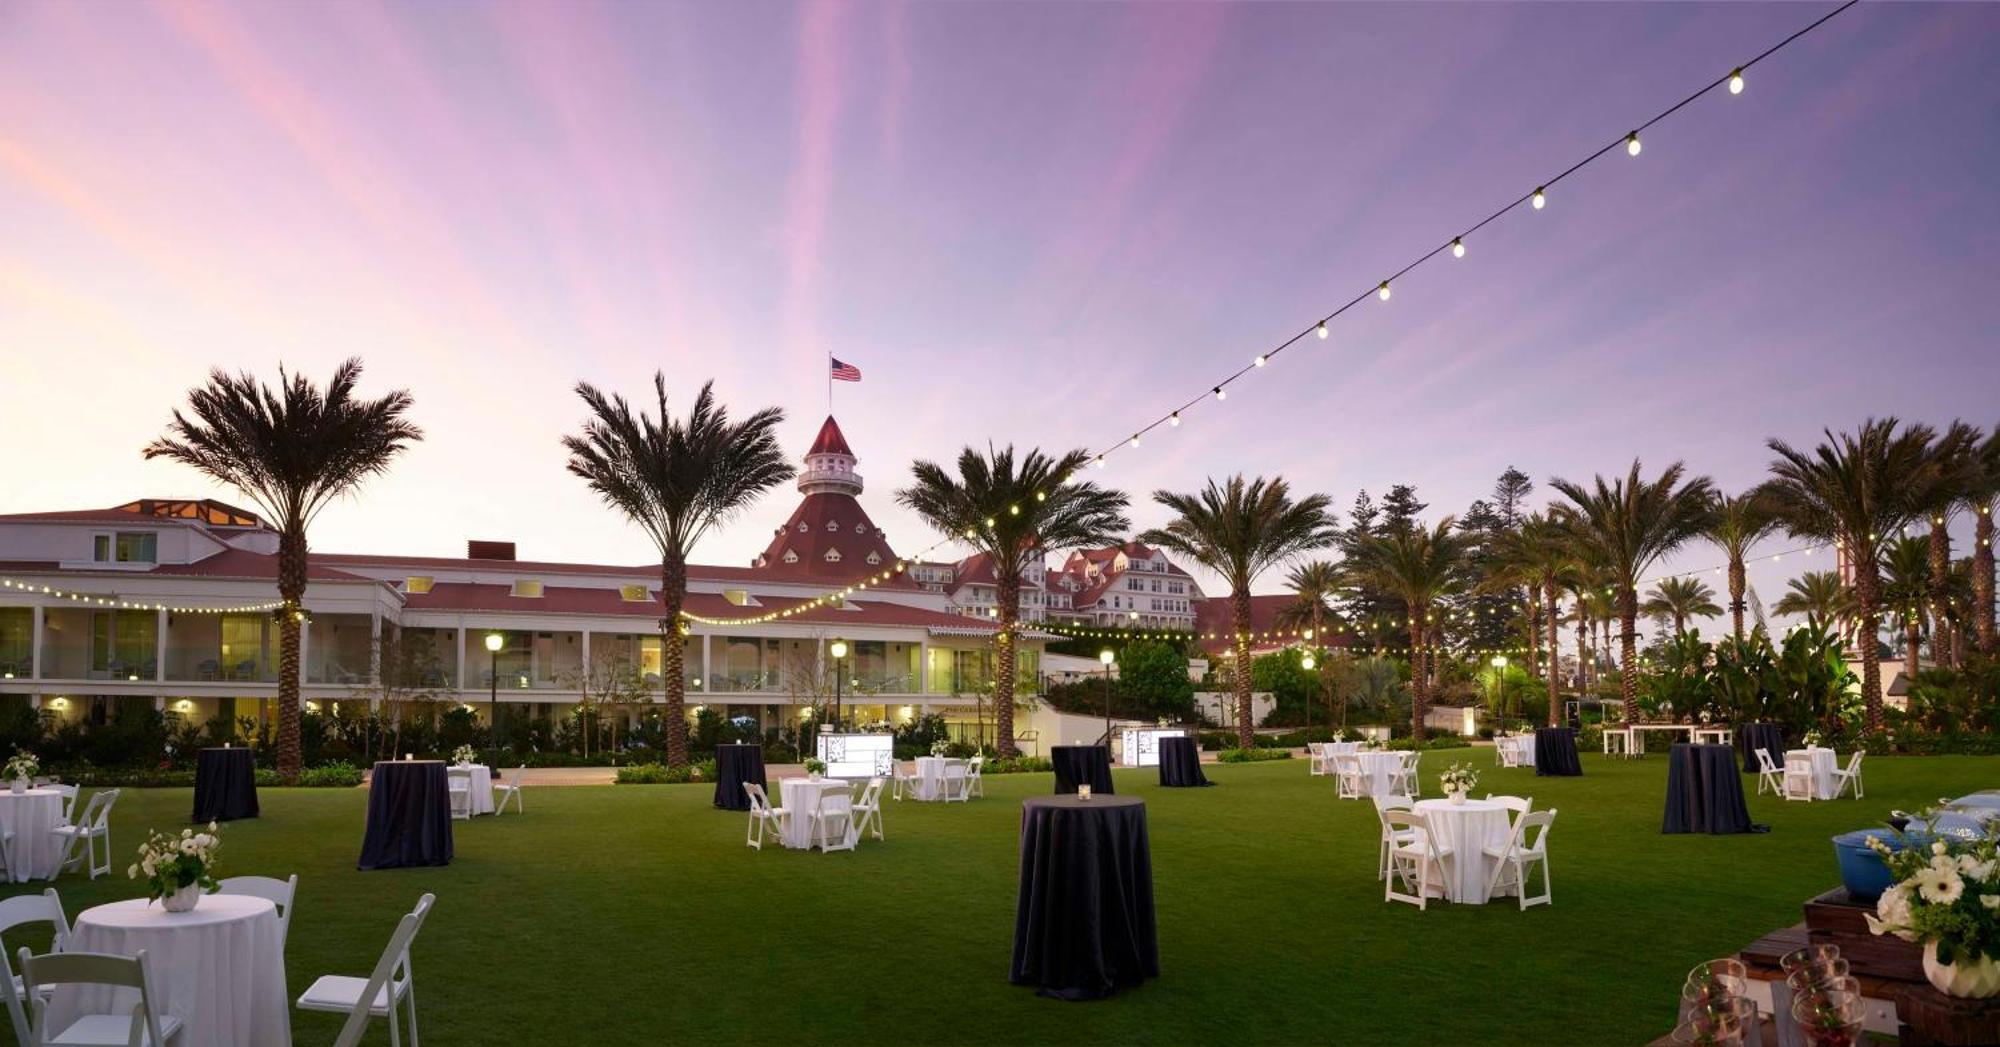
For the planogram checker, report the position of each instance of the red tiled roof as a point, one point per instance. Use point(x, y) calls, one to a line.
point(230, 563)
point(829, 520)
point(829, 440)
point(191, 512)
point(461, 596)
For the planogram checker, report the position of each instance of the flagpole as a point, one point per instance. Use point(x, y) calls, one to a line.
point(829, 385)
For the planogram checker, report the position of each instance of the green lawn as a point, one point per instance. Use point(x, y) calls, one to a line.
point(634, 915)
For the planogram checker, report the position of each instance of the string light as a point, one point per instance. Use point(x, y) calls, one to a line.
point(1736, 81)
point(1174, 419)
point(1540, 198)
point(1262, 359)
point(113, 600)
point(1632, 144)
point(1221, 393)
point(1322, 330)
point(1457, 248)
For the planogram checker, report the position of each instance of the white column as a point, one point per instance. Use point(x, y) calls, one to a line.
point(35, 656)
point(375, 646)
point(460, 678)
point(305, 653)
point(924, 667)
point(708, 667)
point(160, 648)
point(586, 652)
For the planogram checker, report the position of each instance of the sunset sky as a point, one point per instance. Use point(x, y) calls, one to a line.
point(1027, 223)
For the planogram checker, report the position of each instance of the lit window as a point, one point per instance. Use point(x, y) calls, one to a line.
point(527, 589)
point(739, 597)
point(633, 593)
point(125, 547)
point(417, 584)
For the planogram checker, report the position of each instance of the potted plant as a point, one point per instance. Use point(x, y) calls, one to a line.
point(1947, 898)
point(21, 769)
point(178, 870)
point(1457, 780)
point(815, 768)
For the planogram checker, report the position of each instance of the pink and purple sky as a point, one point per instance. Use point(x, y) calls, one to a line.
point(1027, 223)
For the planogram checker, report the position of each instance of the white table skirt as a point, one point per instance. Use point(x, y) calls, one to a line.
point(1523, 747)
point(1377, 769)
point(32, 816)
point(1824, 761)
point(930, 777)
point(1342, 748)
point(1468, 829)
point(482, 786)
point(220, 969)
point(801, 797)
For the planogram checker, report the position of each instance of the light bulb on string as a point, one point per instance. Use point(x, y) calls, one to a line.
point(1321, 330)
point(1540, 198)
point(1458, 247)
point(1632, 144)
point(1221, 393)
point(1174, 419)
point(1383, 291)
point(1736, 81)
point(1262, 359)
point(1135, 439)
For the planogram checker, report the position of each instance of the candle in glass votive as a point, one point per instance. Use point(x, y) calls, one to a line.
point(408, 756)
point(1083, 791)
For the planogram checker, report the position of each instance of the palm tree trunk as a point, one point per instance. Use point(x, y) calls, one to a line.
point(1419, 674)
point(1737, 585)
point(673, 643)
point(1912, 640)
point(1319, 673)
point(1240, 610)
point(1534, 629)
point(1868, 627)
point(1982, 581)
point(291, 614)
point(1940, 594)
point(1628, 653)
point(1006, 661)
point(1586, 656)
point(1555, 660)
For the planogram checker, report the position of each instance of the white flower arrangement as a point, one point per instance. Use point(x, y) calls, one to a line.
point(1459, 778)
point(941, 747)
point(23, 765)
point(168, 863)
point(1814, 739)
point(464, 754)
point(1946, 896)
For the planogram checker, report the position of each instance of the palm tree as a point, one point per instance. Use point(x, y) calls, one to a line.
point(1626, 525)
point(677, 479)
point(1955, 470)
point(291, 450)
point(1982, 499)
point(1736, 525)
point(1014, 511)
point(1678, 599)
point(1906, 570)
point(1854, 490)
point(1239, 530)
point(1423, 568)
point(1536, 555)
point(1820, 596)
point(1315, 585)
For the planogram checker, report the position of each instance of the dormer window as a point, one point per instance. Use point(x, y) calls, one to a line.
point(802, 527)
point(633, 593)
point(861, 528)
point(874, 559)
point(833, 526)
point(832, 556)
point(737, 597)
point(418, 584)
point(791, 556)
point(125, 547)
point(526, 589)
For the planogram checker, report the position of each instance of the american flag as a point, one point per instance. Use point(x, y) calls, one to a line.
point(844, 372)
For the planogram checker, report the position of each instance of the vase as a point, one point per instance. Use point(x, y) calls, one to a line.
point(1971, 978)
point(1457, 797)
point(181, 899)
point(18, 786)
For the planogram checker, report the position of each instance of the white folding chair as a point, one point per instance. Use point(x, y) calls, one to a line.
point(147, 1025)
point(975, 776)
point(504, 791)
point(1391, 839)
point(1798, 784)
point(22, 911)
point(1851, 776)
point(1504, 753)
point(1407, 780)
point(762, 814)
point(6, 857)
point(1317, 761)
point(955, 783)
point(1769, 777)
point(1516, 805)
point(95, 825)
point(1415, 863)
point(1526, 846)
point(68, 799)
point(376, 996)
point(278, 892)
point(1349, 783)
point(459, 782)
point(833, 821)
point(869, 809)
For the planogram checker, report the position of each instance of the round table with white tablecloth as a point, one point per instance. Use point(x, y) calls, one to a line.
point(1824, 761)
point(1343, 748)
point(801, 797)
point(220, 968)
point(929, 777)
point(482, 786)
point(1523, 748)
point(32, 816)
point(1378, 772)
point(1468, 829)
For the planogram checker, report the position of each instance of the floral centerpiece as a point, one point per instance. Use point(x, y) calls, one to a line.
point(815, 768)
point(178, 870)
point(1948, 899)
point(464, 754)
point(1457, 780)
point(22, 767)
point(1813, 739)
point(941, 747)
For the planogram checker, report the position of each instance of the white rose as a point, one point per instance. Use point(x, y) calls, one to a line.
point(146, 867)
point(1974, 868)
point(132, 873)
point(187, 846)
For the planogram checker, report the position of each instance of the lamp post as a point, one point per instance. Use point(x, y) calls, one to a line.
point(1107, 659)
point(1499, 668)
point(1307, 662)
point(838, 649)
point(494, 641)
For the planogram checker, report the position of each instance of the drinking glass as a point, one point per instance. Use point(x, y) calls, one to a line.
point(1711, 1027)
point(1830, 1017)
point(1816, 974)
point(1811, 954)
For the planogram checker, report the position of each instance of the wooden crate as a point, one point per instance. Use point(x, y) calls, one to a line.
point(1932, 1019)
point(1836, 918)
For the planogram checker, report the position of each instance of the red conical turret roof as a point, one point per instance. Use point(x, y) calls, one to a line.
point(829, 440)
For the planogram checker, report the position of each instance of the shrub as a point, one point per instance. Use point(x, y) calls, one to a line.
point(1253, 755)
point(660, 774)
point(336, 775)
point(1019, 765)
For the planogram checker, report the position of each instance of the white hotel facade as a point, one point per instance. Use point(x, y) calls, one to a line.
point(563, 625)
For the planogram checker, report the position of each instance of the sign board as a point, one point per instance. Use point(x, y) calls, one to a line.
point(858, 755)
point(1142, 745)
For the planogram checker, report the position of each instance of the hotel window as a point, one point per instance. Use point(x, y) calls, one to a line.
point(417, 584)
point(861, 528)
point(632, 593)
point(738, 597)
point(791, 556)
point(833, 525)
point(833, 556)
point(126, 547)
point(874, 558)
point(526, 589)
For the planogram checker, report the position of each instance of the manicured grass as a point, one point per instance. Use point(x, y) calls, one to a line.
point(634, 915)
